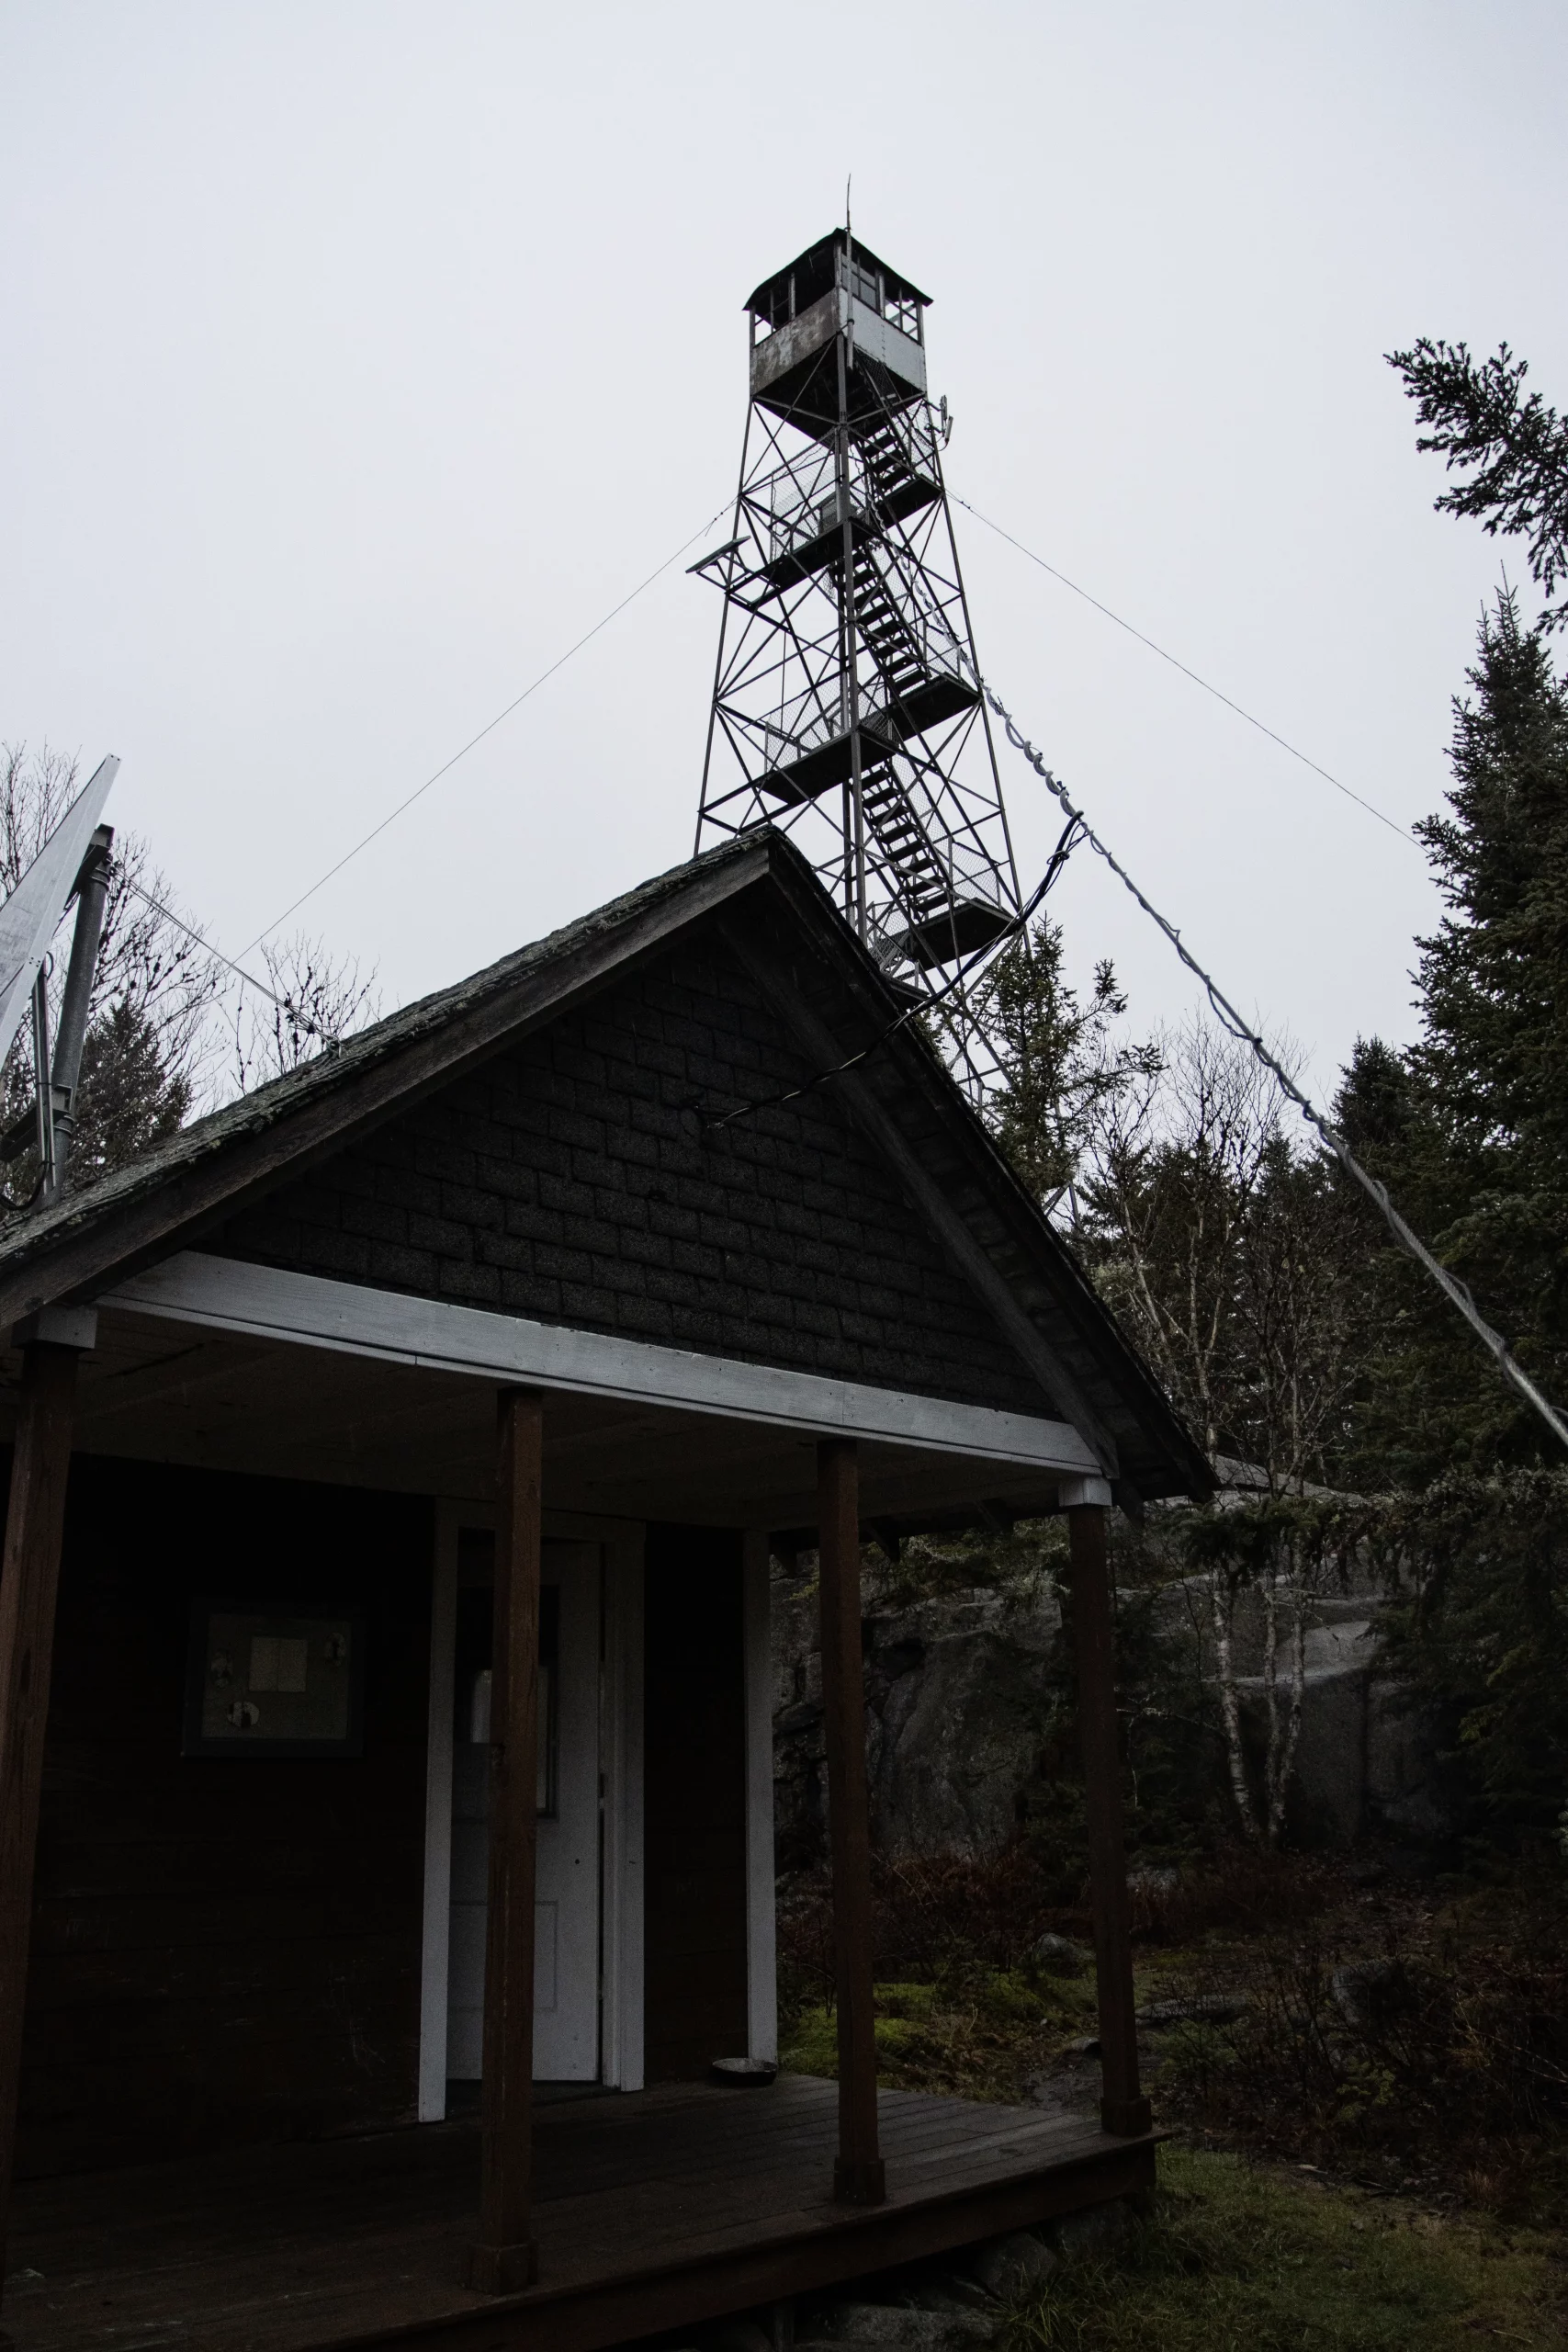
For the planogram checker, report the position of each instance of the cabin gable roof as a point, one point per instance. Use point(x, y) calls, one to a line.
point(679, 1197)
point(579, 1176)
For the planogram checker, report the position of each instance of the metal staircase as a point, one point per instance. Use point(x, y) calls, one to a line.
point(898, 480)
point(919, 661)
point(886, 632)
point(922, 889)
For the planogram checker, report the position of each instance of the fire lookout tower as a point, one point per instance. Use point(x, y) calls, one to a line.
point(847, 704)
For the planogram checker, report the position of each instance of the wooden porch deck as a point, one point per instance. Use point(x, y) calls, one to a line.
point(657, 2209)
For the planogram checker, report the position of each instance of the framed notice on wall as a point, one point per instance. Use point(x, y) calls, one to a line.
point(274, 1681)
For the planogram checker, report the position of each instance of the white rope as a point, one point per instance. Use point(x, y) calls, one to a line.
point(1450, 1285)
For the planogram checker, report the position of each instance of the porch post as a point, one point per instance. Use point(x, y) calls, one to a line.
point(859, 2177)
point(504, 2257)
point(1122, 2107)
point(29, 1582)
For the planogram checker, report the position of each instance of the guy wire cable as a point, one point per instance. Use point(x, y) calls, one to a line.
point(285, 1004)
point(1450, 1285)
point(1274, 737)
point(489, 728)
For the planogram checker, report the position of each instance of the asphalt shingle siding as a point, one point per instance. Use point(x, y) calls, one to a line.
point(574, 1180)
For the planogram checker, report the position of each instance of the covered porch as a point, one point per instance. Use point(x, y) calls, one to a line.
point(550, 2218)
point(654, 2209)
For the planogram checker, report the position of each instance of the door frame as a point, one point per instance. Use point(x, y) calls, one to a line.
point(621, 1807)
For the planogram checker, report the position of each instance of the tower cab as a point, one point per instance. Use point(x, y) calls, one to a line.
point(837, 287)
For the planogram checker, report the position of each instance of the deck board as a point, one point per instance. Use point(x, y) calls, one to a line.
point(654, 2208)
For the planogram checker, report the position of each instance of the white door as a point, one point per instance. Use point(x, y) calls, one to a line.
point(565, 1945)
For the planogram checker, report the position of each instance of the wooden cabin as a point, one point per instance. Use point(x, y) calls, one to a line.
point(385, 1832)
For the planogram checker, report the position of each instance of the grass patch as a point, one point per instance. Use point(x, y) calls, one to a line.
point(1237, 2258)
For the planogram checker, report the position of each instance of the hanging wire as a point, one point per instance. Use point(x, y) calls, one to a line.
point(820, 1078)
point(1226, 1012)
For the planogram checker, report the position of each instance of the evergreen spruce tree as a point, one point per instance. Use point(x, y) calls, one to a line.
point(1060, 1062)
point(1470, 1128)
point(1508, 453)
point(129, 1099)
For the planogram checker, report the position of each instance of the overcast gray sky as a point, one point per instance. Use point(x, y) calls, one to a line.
point(360, 354)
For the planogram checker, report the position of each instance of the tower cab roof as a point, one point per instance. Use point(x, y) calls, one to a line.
point(814, 273)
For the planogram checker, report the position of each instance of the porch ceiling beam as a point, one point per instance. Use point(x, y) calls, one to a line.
point(309, 1310)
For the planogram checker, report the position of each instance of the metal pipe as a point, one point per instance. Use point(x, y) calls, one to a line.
point(854, 832)
point(92, 898)
point(44, 1106)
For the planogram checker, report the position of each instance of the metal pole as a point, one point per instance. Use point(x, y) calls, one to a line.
point(723, 631)
point(44, 1106)
point(92, 899)
point(969, 644)
point(854, 839)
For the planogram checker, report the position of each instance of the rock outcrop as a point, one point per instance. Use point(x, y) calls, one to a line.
point(954, 1712)
point(956, 1703)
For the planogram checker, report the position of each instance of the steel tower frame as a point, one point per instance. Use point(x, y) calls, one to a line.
point(847, 705)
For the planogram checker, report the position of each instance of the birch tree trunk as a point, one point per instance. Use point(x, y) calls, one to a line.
point(1282, 1769)
point(1222, 1601)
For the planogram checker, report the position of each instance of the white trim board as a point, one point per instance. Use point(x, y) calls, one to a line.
point(621, 1758)
point(761, 1955)
point(309, 1310)
point(437, 1929)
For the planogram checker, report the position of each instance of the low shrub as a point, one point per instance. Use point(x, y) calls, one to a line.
point(1444, 2053)
point(931, 1914)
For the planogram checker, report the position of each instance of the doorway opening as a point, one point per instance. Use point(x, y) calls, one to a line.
point(567, 1895)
